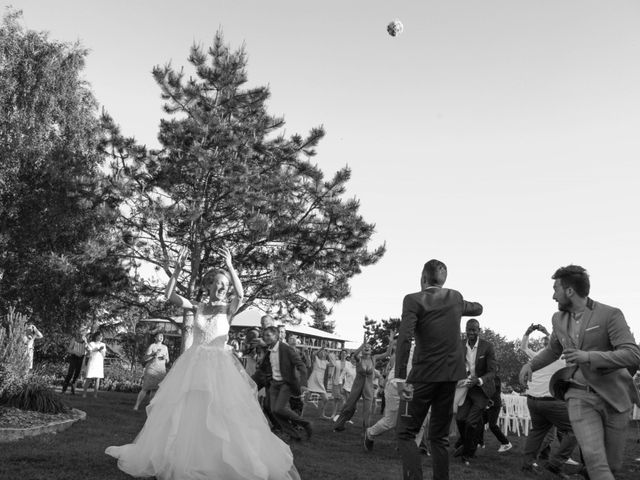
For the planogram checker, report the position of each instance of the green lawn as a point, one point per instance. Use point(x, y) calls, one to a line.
point(78, 453)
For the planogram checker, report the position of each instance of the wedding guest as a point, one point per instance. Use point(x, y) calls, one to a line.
point(490, 418)
point(548, 415)
point(96, 351)
point(362, 387)
point(597, 383)
point(30, 336)
point(155, 367)
point(287, 376)
point(75, 350)
point(480, 362)
point(315, 383)
point(282, 333)
point(432, 316)
point(338, 397)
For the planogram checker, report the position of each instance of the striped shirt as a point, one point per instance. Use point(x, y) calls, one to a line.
point(76, 348)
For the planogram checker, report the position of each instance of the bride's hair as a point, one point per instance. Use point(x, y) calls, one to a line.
point(212, 272)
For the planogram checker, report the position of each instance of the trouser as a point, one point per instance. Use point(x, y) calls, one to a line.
point(279, 397)
point(362, 386)
point(469, 420)
point(545, 414)
point(490, 417)
point(439, 397)
point(75, 367)
point(601, 432)
point(390, 418)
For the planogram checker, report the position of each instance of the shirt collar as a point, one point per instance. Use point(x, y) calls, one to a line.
point(275, 347)
point(474, 347)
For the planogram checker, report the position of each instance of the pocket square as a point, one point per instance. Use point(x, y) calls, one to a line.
point(481, 356)
point(592, 328)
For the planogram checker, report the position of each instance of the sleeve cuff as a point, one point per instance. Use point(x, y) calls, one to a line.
point(480, 382)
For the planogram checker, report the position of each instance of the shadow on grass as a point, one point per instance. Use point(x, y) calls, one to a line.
point(78, 453)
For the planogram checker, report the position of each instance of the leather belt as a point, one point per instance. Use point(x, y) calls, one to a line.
point(579, 386)
point(542, 399)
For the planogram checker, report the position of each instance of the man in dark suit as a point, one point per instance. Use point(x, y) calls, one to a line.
point(433, 317)
point(287, 375)
point(480, 363)
point(601, 354)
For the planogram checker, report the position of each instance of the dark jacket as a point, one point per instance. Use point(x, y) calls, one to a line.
point(433, 317)
point(292, 369)
point(485, 365)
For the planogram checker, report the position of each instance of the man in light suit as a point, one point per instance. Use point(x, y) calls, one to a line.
point(480, 362)
point(433, 317)
point(602, 356)
point(286, 375)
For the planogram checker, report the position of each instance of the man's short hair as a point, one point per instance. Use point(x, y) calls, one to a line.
point(473, 320)
point(432, 270)
point(576, 277)
point(272, 329)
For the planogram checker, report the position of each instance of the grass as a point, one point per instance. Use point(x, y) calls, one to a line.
point(78, 453)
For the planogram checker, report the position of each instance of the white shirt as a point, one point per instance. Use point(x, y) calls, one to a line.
point(274, 357)
point(471, 358)
point(539, 385)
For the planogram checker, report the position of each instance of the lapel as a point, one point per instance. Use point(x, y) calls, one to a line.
point(281, 357)
point(586, 319)
point(479, 353)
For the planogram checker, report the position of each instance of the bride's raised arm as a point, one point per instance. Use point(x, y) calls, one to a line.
point(236, 300)
point(169, 292)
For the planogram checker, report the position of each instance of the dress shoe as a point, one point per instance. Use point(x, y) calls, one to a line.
point(339, 428)
point(368, 443)
point(466, 460)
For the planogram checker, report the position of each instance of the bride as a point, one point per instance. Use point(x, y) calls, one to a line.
point(205, 422)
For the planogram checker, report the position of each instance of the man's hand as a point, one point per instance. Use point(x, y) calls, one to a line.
point(572, 355)
point(472, 381)
point(526, 374)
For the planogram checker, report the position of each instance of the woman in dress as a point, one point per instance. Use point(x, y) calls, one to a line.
point(205, 421)
point(155, 367)
point(337, 382)
point(320, 361)
point(362, 386)
point(96, 351)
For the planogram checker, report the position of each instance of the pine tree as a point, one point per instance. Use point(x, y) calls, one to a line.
point(227, 175)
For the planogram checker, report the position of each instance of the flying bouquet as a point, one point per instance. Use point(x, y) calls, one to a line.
point(395, 28)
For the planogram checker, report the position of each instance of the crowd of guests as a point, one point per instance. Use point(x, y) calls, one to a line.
point(579, 386)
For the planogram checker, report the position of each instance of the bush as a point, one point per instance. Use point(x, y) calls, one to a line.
point(51, 373)
point(14, 364)
point(35, 394)
point(119, 378)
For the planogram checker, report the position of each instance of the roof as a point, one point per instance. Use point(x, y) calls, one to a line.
point(251, 318)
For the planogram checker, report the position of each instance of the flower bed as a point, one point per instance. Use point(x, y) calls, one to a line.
point(16, 424)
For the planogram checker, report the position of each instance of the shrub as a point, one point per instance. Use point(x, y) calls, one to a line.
point(119, 378)
point(51, 373)
point(13, 351)
point(35, 394)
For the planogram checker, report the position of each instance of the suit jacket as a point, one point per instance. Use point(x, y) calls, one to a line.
point(613, 352)
point(292, 368)
point(433, 317)
point(485, 365)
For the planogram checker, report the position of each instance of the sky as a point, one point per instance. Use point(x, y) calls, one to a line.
point(499, 136)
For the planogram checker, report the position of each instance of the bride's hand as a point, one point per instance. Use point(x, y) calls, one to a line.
point(226, 254)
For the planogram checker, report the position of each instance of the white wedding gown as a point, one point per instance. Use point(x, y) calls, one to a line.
point(205, 422)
